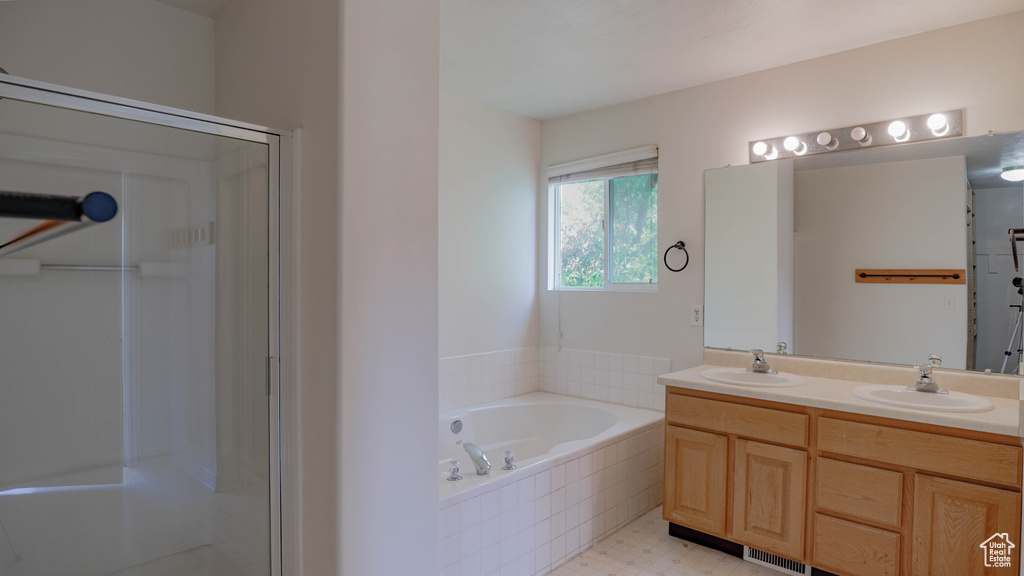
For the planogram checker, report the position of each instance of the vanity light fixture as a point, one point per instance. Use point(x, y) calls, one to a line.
point(919, 128)
point(1013, 174)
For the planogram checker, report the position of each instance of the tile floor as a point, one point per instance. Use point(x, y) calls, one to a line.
point(644, 548)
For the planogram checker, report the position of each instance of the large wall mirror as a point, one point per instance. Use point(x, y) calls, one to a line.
point(784, 238)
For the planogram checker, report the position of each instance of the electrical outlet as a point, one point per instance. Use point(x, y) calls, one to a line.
point(696, 315)
point(949, 303)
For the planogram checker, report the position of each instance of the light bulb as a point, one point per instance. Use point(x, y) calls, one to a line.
point(825, 139)
point(860, 135)
point(898, 131)
point(938, 124)
point(795, 145)
point(759, 148)
point(1014, 174)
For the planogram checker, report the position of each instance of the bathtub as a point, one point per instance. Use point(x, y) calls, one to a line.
point(583, 469)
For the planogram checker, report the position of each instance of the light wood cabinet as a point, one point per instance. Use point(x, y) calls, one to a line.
point(963, 457)
point(951, 521)
point(850, 548)
point(775, 426)
point(768, 497)
point(851, 494)
point(695, 496)
point(737, 472)
point(860, 492)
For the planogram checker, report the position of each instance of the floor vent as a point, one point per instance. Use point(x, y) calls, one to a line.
point(784, 565)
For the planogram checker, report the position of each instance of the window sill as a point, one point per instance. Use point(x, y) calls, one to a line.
point(612, 288)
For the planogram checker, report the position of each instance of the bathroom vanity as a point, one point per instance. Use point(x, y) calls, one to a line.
point(814, 474)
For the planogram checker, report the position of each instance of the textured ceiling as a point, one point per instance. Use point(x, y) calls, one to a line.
point(544, 58)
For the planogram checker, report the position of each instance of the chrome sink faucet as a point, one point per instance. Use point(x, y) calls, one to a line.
point(925, 383)
point(483, 466)
point(760, 365)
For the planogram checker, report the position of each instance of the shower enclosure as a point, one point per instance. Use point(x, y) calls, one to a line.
point(139, 382)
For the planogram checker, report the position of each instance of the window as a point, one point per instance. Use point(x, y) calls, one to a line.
point(604, 225)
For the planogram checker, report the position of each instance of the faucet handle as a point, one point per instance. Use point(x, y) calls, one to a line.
point(453, 471)
point(510, 458)
point(760, 365)
point(924, 371)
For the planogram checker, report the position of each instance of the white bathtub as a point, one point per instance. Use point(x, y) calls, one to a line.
point(583, 469)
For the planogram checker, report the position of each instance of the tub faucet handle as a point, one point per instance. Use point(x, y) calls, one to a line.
point(510, 458)
point(453, 471)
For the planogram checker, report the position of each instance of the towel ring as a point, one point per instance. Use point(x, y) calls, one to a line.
point(680, 245)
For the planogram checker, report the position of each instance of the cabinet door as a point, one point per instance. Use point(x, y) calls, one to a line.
point(768, 498)
point(695, 467)
point(953, 519)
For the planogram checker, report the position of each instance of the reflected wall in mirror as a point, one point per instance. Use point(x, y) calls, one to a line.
point(783, 240)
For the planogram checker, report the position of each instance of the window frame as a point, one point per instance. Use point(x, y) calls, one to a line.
point(554, 241)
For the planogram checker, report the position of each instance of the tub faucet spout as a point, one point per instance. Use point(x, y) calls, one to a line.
point(483, 466)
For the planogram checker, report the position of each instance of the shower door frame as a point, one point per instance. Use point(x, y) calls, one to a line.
point(281, 274)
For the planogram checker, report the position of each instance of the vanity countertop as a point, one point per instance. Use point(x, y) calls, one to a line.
point(831, 394)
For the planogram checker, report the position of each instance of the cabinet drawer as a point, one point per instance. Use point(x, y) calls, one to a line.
point(985, 461)
point(859, 491)
point(741, 420)
point(854, 549)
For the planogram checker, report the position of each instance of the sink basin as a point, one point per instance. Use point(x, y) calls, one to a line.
point(740, 377)
point(900, 396)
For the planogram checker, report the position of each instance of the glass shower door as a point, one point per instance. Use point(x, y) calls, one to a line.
point(135, 415)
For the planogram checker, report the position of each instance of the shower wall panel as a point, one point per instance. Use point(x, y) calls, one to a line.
point(60, 346)
point(103, 368)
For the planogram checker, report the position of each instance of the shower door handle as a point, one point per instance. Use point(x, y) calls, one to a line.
point(271, 369)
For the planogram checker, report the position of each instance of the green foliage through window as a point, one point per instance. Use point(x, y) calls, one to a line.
point(634, 235)
point(583, 233)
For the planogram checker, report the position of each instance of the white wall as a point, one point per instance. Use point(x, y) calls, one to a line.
point(138, 49)
point(906, 214)
point(487, 216)
point(709, 126)
point(278, 65)
point(389, 285)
